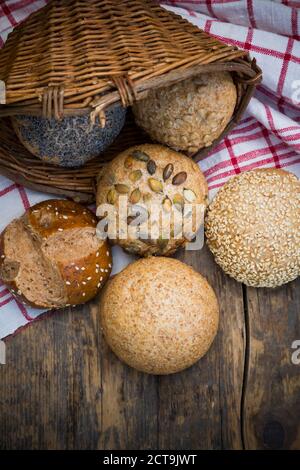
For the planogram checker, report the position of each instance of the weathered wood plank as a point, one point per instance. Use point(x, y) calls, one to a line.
point(200, 407)
point(272, 393)
point(50, 388)
point(129, 404)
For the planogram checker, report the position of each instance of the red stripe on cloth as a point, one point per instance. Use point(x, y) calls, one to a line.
point(250, 156)
point(248, 42)
point(210, 8)
point(24, 311)
point(6, 301)
point(277, 131)
point(284, 68)
point(238, 140)
point(248, 128)
point(4, 292)
point(254, 48)
point(24, 197)
point(8, 189)
point(287, 101)
point(7, 12)
point(295, 31)
point(266, 161)
point(251, 13)
point(232, 156)
point(272, 148)
point(20, 4)
point(207, 26)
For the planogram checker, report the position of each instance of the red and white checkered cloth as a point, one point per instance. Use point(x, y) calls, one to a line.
point(268, 135)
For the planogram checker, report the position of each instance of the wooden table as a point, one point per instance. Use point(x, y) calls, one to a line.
point(63, 389)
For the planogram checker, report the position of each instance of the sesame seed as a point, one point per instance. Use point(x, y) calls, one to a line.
point(97, 254)
point(89, 278)
point(68, 283)
point(109, 265)
point(101, 278)
point(65, 217)
point(97, 271)
point(83, 294)
point(99, 284)
point(2, 256)
point(84, 283)
point(83, 268)
point(60, 229)
point(77, 268)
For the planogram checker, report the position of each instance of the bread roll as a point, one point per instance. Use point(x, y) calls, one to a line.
point(155, 177)
point(188, 115)
point(159, 315)
point(51, 256)
point(72, 141)
point(253, 227)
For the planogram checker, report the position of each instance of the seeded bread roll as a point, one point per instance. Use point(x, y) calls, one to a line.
point(253, 227)
point(154, 178)
point(159, 315)
point(51, 256)
point(72, 141)
point(188, 115)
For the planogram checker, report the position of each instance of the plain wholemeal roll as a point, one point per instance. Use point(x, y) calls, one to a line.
point(164, 184)
point(51, 256)
point(253, 227)
point(159, 315)
point(188, 115)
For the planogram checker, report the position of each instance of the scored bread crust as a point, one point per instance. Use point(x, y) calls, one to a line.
point(55, 228)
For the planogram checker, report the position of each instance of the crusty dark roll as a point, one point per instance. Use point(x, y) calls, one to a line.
point(51, 256)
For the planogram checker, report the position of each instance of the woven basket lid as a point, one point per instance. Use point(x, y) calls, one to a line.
point(75, 57)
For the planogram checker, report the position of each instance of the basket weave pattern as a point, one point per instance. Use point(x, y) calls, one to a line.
point(75, 57)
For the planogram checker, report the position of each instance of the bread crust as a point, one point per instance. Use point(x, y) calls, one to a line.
point(188, 115)
point(159, 315)
point(81, 277)
point(120, 171)
point(253, 227)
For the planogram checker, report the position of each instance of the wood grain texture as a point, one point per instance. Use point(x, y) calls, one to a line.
point(200, 407)
point(62, 388)
point(272, 383)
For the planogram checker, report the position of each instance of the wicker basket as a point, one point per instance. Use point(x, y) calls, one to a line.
point(75, 58)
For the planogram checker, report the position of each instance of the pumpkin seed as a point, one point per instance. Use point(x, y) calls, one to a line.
point(151, 167)
point(168, 170)
point(179, 178)
point(111, 179)
point(140, 155)
point(155, 185)
point(178, 199)
point(147, 197)
point(167, 204)
point(189, 195)
point(135, 196)
point(128, 162)
point(122, 188)
point(135, 175)
point(111, 196)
